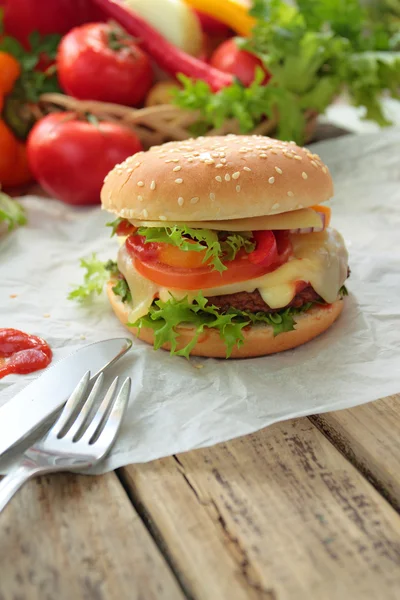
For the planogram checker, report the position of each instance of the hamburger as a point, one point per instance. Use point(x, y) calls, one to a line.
point(225, 247)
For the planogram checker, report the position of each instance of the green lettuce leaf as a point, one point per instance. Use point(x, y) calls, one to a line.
point(199, 240)
point(114, 225)
point(122, 289)
point(97, 274)
point(11, 213)
point(164, 317)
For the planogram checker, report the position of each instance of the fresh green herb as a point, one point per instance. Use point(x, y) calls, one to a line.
point(165, 317)
point(200, 240)
point(313, 49)
point(114, 225)
point(343, 291)
point(97, 274)
point(11, 213)
point(33, 81)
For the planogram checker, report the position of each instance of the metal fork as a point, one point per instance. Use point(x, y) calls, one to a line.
point(77, 440)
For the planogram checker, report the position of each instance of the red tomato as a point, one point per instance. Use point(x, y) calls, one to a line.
point(97, 61)
point(146, 261)
point(21, 17)
point(230, 59)
point(70, 158)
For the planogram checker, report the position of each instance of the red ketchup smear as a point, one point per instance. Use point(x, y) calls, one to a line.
point(22, 353)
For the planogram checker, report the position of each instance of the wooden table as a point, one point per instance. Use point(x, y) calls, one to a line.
point(302, 510)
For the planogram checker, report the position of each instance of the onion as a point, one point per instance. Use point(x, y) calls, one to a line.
point(174, 20)
point(312, 229)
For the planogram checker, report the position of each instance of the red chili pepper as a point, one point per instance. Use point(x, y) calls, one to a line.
point(266, 252)
point(168, 57)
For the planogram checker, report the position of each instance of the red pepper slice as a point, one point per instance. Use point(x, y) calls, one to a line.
point(168, 57)
point(266, 252)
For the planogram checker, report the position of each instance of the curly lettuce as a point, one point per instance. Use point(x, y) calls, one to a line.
point(11, 213)
point(164, 318)
point(97, 274)
point(218, 245)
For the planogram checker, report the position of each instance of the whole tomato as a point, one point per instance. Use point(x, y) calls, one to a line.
point(70, 158)
point(98, 61)
point(231, 59)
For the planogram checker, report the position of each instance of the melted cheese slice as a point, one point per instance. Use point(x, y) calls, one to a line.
point(297, 219)
point(320, 259)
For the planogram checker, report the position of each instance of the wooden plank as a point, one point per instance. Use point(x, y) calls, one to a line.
point(279, 515)
point(69, 537)
point(369, 437)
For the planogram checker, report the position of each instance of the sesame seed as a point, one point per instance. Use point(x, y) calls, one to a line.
point(140, 183)
point(179, 180)
point(290, 194)
point(223, 160)
point(271, 180)
point(274, 151)
point(246, 169)
point(212, 196)
point(168, 161)
point(218, 178)
point(162, 218)
point(236, 175)
point(178, 168)
point(180, 201)
point(175, 160)
point(222, 154)
point(288, 154)
point(227, 177)
point(190, 159)
point(153, 185)
point(263, 155)
point(209, 161)
point(137, 164)
point(219, 166)
point(243, 150)
point(129, 170)
point(299, 206)
point(194, 200)
point(196, 153)
point(297, 157)
point(304, 175)
point(215, 154)
point(324, 170)
point(145, 213)
point(292, 142)
point(140, 198)
point(314, 164)
point(275, 206)
point(238, 188)
point(278, 170)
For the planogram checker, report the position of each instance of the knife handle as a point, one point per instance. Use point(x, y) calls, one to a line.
point(11, 483)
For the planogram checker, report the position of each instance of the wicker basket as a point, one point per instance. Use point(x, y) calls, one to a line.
point(156, 124)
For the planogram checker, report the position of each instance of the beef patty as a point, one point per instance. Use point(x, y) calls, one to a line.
point(253, 302)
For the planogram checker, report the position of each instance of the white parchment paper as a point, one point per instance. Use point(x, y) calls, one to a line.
point(178, 405)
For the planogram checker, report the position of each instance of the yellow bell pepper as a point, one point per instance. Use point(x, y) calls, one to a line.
point(230, 12)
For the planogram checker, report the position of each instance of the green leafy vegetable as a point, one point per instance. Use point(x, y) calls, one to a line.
point(313, 49)
point(114, 225)
point(97, 274)
point(11, 213)
point(199, 240)
point(165, 317)
point(122, 289)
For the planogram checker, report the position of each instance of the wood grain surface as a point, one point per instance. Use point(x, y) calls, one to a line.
point(369, 436)
point(277, 515)
point(70, 537)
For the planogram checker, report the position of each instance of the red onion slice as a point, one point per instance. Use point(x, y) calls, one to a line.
point(311, 229)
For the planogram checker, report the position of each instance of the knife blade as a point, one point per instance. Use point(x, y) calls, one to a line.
point(42, 398)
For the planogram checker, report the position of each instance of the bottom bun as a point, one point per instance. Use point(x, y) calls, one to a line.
point(259, 339)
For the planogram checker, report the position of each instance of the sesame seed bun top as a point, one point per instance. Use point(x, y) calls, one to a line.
point(224, 177)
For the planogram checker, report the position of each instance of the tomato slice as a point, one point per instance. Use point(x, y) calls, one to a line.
point(125, 228)
point(240, 269)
